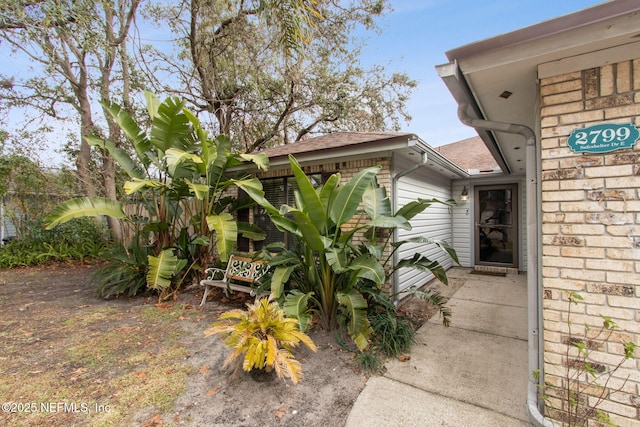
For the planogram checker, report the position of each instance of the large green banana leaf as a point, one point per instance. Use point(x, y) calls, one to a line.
point(422, 263)
point(337, 259)
point(355, 307)
point(261, 160)
point(368, 267)
point(296, 305)
point(327, 190)
point(226, 230)
point(152, 103)
point(427, 240)
point(312, 203)
point(390, 222)
point(175, 157)
point(279, 278)
point(136, 184)
point(84, 206)
point(413, 208)
point(253, 188)
point(121, 156)
point(375, 202)
point(216, 157)
point(161, 269)
point(134, 133)
point(346, 202)
point(170, 127)
point(310, 233)
point(251, 231)
point(200, 191)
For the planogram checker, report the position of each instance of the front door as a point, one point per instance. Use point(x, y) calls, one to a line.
point(496, 231)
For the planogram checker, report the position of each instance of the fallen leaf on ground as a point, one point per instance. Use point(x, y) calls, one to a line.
point(213, 391)
point(204, 369)
point(156, 420)
point(281, 411)
point(404, 358)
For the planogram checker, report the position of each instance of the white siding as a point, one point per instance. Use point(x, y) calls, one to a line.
point(435, 222)
point(7, 229)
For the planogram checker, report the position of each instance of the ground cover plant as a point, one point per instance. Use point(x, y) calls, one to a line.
point(29, 192)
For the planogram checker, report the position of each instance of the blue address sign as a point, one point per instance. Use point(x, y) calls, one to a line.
point(603, 138)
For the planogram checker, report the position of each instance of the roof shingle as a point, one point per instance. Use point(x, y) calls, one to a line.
point(329, 141)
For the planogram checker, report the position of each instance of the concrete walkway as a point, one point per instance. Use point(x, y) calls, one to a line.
point(473, 373)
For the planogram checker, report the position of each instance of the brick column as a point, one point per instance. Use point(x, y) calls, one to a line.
point(591, 225)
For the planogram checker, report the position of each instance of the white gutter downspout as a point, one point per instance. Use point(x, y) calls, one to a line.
point(534, 293)
point(394, 190)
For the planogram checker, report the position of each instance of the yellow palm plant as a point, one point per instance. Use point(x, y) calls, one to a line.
point(262, 338)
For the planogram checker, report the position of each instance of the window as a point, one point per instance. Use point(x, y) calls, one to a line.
point(279, 191)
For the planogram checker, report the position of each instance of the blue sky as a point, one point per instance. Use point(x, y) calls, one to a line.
point(416, 35)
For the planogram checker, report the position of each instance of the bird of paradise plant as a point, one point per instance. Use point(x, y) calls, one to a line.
point(176, 183)
point(340, 257)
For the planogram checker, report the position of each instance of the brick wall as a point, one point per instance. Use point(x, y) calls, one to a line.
point(590, 217)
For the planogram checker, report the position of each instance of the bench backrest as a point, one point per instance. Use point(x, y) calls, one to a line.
point(245, 269)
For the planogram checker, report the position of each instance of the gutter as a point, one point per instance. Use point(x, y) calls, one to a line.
point(534, 293)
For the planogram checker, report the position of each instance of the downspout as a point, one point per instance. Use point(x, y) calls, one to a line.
point(534, 293)
point(394, 184)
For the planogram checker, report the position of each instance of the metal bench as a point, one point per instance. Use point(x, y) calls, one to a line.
point(239, 269)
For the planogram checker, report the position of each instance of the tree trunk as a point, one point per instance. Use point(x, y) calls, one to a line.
point(109, 176)
point(84, 155)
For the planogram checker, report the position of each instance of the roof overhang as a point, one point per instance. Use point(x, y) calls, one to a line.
point(406, 145)
point(498, 77)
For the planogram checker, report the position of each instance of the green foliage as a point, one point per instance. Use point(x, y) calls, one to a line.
point(125, 271)
point(175, 201)
point(28, 194)
point(392, 335)
point(368, 361)
point(338, 262)
point(261, 97)
point(262, 338)
point(81, 240)
point(585, 384)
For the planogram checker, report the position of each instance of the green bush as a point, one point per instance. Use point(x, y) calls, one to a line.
point(125, 271)
point(82, 239)
point(392, 335)
point(368, 361)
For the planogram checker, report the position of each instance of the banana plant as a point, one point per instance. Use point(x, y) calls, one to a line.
point(177, 176)
point(339, 257)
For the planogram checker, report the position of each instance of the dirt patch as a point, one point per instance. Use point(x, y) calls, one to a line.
point(69, 357)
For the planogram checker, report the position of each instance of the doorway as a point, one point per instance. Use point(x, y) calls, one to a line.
point(496, 230)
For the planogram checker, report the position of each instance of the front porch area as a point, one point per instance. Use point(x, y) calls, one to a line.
point(469, 374)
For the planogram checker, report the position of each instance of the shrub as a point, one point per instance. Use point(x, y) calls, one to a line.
point(262, 338)
point(82, 240)
point(392, 335)
point(125, 271)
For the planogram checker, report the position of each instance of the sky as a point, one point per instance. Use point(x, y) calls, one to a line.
point(414, 38)
point(416, 35)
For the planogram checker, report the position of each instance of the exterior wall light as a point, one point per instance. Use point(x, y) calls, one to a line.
point(464, 196)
